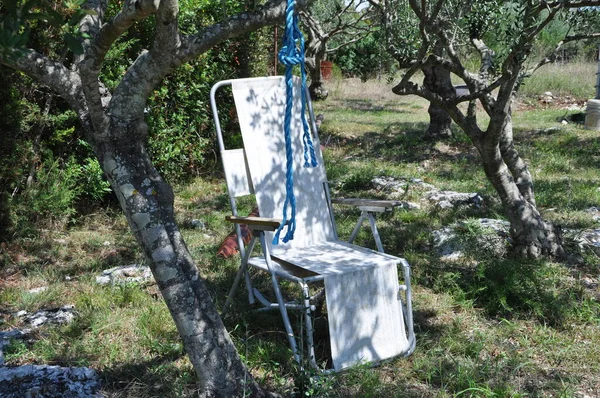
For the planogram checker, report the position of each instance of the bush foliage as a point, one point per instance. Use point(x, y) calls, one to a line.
point(46, 168)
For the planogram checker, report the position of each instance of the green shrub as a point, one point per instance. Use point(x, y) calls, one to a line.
point(359, 180)
point(366, 58)
point(9, 153)
point(50, 199)
point(93, 183)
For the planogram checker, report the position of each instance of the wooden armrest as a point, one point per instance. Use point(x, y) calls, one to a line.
point(258, 223)
point(367, 202)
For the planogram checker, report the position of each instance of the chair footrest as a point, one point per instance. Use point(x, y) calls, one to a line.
point(283, 269)
point(267, 305)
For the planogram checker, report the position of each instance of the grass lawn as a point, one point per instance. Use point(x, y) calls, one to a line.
point(487, 325)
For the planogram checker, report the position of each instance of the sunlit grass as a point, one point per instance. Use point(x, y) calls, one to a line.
point(577, 79)
point(487, 326)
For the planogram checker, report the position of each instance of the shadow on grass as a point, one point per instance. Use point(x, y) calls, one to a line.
point(513, 288)
point(567, 193)
point(366, 105)
point(400, 141)
point(158, 377)
point(58, 260)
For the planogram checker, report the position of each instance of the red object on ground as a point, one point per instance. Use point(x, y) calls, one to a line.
point(326, 69)
point(229, 246)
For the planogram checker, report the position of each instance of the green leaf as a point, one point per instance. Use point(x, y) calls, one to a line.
point(74, 44)
point(11, 6)
point(54, 18)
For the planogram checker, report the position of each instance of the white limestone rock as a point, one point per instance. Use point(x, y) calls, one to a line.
point(38, 290)
point(49, 381)
point(53, 316)
point(450, 245)
point(126, 274)
point(594, 212)
point(450, 199)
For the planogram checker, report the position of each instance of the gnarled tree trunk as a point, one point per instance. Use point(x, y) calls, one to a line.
point(437, 55)
point(147, 201)
point(116, 129)
point(314, 54)
point(531, 235)
point(437, 80)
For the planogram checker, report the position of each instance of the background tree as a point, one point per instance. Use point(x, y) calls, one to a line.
point(366, 58)
point(402, 26)
point(111, 115)
point(438, 79)
point(328, 22)
point(513, 27)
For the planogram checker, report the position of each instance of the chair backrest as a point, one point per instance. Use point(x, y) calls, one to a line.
point(260, 104)
point(236, 172)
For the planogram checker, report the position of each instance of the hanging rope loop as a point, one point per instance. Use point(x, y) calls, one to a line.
point(291, 54)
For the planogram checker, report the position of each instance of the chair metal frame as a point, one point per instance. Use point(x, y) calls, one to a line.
point(279, 269)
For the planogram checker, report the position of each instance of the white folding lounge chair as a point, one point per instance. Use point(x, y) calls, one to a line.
point(369, 312)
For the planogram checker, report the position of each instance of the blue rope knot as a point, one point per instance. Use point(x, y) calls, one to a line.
point(291, 54)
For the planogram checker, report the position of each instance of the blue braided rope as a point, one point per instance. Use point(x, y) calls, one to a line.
point(292, 53)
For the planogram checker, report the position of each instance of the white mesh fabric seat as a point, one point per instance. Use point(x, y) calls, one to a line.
point(367, 321)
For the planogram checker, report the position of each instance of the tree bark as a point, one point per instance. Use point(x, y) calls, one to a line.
point(147, 201)
point(437, 80)
point(531, 235)
point(314, 54)
point(115, 128)
point(518, 168)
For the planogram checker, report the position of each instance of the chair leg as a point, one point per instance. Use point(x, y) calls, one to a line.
point(361, 219)
point(408, 315)
point(367, 215)
point(282, 308)
point(242, 271)
point(249, 287)
point(308, 310)
point(375, 232)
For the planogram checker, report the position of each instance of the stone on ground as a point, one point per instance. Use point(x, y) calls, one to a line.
point(126, 274)
point(45, 381)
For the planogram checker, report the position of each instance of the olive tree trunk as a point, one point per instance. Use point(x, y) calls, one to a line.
point(147, 201)
point(114, 125)
point(437, 80)
point(316, 47)
point(437, 54)
point(531, 235)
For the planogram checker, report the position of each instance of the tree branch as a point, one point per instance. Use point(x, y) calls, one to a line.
point(346, 25)
point(339, 15)
point(167, 38)
point(468, 123)
point(354, 40)
point(437, 8)
point(569, 4)
point(535, 31)
point(56, 76)
point(487, 61)
point(552, 56)
point(272, 11)
point(90, 65)
point(146, 72)
point(314, 27)
point(91, 24)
